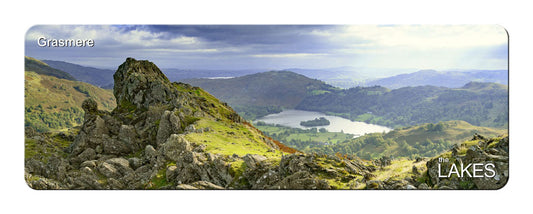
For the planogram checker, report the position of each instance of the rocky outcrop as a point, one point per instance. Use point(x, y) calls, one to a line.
point(132, 146)
point(455, 170)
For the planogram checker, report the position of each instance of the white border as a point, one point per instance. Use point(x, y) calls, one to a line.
point(17, 18)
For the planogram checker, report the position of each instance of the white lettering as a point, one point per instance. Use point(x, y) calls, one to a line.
point(441, 176)
point(491, 169)
point(453, 170)
point(44, 42)
point(476, 169)
point(463, 170)
point(41, 41)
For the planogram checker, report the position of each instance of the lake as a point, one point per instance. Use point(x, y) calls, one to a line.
point(292, 118)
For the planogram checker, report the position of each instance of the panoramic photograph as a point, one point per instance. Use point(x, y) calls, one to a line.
point(266, 107)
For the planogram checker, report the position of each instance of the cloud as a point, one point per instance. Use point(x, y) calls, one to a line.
point(274, 46)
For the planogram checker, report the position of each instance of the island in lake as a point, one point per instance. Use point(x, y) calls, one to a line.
point(322, 121)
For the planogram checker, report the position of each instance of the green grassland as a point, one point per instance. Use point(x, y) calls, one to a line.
point(228, 139)
point(301, 139)
point(425, 140)
point(51, 103)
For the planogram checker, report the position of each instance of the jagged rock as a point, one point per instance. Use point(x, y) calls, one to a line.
point(90, 106)
point(135, 162)
point(128, 136)
point(44, 184)
point(87, 154)
point(115, 147)
point(185, 187)
point(169, 124)
point(206, 185)
point(108, 170)
point(115, 184)
point(142, 84)
point(253, 160)
point(89, 163)
point(115, 168)
point(175, 146)
point(171, 173)
point(291, 164)
point(497, 156)
point(303, 181)
point(423, 186)
point(150, 152)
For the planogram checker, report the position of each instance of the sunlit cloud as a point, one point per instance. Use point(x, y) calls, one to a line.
point(281, 46)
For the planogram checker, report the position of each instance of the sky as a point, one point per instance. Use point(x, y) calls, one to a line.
point(274, 47)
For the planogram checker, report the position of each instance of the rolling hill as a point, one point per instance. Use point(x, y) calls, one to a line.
point(482, 104)
point(99, 77)
point(31, 64)
point(424, 140)
point(263, 93)
point(449, 79)
point(53, 103)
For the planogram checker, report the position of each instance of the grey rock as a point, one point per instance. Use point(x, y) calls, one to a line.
point(89, 163)
point(175, 146)
point(410, 187)
point(253, 160)
point(108, 170)
point(149, 152)
point(90, 106)
point(88, 154)
point(171, 173)
point(423, 186)
point(206, 185)
point(135, 162)
point(185, 187)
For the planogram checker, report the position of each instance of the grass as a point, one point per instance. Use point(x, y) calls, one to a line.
point(301, 135)
point(399, 169)
point(230, 138)
point(53, 104)
point(52, 144)
point(159, 180)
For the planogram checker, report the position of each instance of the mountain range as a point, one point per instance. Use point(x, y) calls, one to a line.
point(343, 77)
point(478, 103)
point(450, 79)
point(99, 77)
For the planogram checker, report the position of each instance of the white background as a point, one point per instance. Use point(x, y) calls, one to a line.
point(18, 17)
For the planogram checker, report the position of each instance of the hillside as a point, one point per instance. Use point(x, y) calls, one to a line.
point(99, 77)
point(256, 95)
point(52, 103)
point(449, 79)
point(31, 64)
point(424, 140)
point(263, 93)
point(481, 104)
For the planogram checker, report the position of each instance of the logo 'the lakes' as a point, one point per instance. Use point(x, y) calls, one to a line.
point(478, 170)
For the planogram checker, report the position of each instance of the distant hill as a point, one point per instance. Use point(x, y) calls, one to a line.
point(347, 76)
point(100, 77)
point(273, 90)
point(177, 75)
point(51, 103)
point(481, 104)
point(450, 79)
point(256, 95)
point(31, 64)
point(423, 140)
